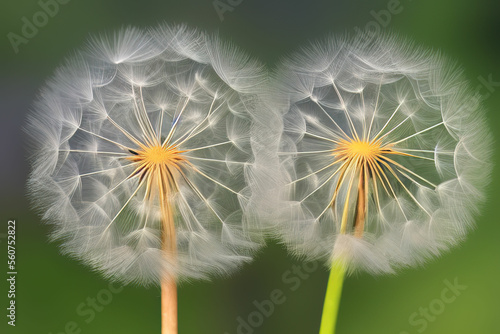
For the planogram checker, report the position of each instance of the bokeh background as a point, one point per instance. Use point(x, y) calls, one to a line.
point(54, 292)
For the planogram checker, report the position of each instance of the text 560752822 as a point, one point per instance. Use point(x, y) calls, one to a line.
point(11, 272)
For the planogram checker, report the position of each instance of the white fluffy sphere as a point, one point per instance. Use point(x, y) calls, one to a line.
point(385, 152)
point(140, 146)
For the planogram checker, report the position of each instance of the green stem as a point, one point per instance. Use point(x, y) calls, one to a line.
point(332, 299)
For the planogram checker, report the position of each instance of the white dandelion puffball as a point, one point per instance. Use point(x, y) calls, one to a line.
point(141, 143)
point(385, 150)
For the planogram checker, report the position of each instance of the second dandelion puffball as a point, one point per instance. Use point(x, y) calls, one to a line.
point(385, 153)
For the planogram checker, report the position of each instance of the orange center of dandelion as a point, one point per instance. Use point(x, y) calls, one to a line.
point(363, 164)
point(157, 165)
point(358, 157)
point(159, 155)
point(358, 149)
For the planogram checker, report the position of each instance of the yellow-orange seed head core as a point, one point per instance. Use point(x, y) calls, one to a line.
point(157, 162)
point(368, 160)
point(355, 149)
point(159, 155)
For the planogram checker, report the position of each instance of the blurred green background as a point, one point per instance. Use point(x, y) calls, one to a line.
point(53, 291)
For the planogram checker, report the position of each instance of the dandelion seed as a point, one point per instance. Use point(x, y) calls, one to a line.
point(140, 147)
point(386, 153)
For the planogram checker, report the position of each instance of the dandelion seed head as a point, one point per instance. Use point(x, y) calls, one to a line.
point(385, 153)
point(140, 148)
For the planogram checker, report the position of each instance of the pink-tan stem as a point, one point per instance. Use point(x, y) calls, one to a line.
point(168, 306)
point(168, 283)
